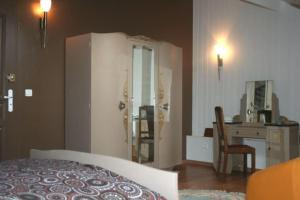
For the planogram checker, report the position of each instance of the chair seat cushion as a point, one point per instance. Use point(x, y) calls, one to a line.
point(147, 140)
point(240, 148)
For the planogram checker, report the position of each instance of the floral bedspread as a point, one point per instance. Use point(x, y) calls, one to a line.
point(34, 179)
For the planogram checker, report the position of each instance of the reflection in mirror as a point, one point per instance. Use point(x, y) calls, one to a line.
point(143, 104)
point(259, 96)
point(259, 101)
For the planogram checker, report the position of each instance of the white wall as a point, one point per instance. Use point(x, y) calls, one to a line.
point(265, 45)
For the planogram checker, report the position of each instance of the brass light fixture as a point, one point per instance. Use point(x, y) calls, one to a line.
point(45, 7)
point(220, 50)
point(220, 64)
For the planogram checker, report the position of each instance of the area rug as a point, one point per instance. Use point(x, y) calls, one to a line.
point(210, 195)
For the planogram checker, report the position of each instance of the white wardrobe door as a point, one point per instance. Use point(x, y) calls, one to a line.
point(109, 87)
point(169, 105)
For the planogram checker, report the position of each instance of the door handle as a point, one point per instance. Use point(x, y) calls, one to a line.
point(122, 105)
point(10, 100)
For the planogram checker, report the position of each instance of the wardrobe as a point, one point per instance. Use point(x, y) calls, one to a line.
point(109, 79)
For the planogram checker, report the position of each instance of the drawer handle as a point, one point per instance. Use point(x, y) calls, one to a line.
point(257, 133)
point(269, 149)
point(237, 132)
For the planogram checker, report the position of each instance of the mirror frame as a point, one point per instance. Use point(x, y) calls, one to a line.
point(252, 111)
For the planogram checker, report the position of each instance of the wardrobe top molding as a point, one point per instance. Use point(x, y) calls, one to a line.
point(137, 38)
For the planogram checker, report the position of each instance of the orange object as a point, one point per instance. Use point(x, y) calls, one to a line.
point(279, 182)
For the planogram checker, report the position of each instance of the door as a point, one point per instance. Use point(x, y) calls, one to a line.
point(2, 106)
point(156, 85)
point(8, 142)
point(275, 146)
point(109, 94)
point(143, 84)
point(169, 105)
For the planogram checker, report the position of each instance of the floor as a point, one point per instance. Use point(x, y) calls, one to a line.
point(194, 175)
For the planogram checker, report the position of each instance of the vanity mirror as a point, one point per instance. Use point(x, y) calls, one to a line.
point(259, 101)
point(259, 104)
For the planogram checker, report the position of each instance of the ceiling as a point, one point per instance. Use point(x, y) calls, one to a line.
point(272, 4)
point(294, 2)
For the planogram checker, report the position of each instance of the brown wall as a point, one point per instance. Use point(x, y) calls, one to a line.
point(38, 122)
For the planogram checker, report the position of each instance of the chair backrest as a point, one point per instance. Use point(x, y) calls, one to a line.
point(147, 113)
point(150, 119)
point(222, 133)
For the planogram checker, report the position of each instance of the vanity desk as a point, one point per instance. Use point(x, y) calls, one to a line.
point(281, 141)
point(259, 118)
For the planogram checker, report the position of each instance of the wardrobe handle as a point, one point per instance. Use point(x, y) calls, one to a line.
point(122, 105)
point(164, 107)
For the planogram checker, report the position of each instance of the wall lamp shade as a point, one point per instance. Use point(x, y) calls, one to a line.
point(45, 7)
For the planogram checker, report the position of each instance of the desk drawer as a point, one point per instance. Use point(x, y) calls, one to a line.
point(249, 132)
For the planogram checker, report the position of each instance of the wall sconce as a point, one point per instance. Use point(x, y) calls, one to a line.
point(220, 64)
point(220, 51)
point(45, 7)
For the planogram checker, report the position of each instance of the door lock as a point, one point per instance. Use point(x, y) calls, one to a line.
point(11, 77)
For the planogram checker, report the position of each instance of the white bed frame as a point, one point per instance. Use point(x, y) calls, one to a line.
point(163, 182)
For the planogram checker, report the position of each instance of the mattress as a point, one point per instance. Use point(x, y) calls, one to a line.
point(39, 179)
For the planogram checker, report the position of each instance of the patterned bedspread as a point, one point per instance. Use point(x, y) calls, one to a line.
point(33, 179)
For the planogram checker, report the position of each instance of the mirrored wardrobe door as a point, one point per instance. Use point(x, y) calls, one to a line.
point(142, 84)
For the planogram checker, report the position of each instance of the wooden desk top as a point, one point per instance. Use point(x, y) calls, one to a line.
point(286, 124)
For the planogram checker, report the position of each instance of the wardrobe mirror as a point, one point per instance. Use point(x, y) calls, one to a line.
point(143, 95)
point(259, 100)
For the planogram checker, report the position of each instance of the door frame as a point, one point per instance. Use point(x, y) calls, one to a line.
point(2, 87)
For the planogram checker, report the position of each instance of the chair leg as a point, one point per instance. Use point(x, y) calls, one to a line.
point(219, 162)
point(245, 164)
point(253, 162)
point(225, 163)
point(139, 158)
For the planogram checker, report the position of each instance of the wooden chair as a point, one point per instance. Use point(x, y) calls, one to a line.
point(226, 148)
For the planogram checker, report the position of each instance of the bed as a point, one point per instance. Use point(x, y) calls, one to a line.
point(64, 175)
